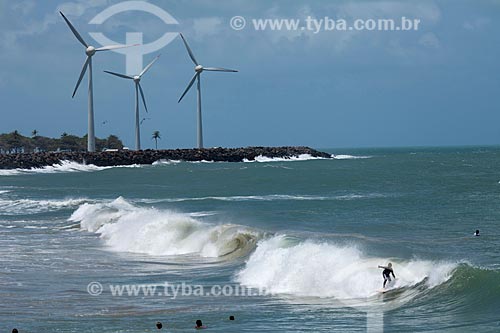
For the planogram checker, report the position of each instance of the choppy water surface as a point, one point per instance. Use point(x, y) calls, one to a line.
point(310, 232)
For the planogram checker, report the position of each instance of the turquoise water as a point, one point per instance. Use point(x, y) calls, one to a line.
point(310, 233)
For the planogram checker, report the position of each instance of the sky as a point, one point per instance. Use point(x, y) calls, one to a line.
point(435, 86)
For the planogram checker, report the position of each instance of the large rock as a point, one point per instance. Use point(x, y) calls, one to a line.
point(125, 157)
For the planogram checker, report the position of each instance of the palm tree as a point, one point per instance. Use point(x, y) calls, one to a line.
point(34, 134)
point(156, 136)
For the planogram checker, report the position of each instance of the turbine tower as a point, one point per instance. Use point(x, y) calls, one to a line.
point(89, 51)
point(138, 88)
point(198, 69)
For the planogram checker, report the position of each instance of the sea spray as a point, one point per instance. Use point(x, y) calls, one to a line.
point(127, 228)
point(315, 269)
point(301, 157)
point(62, 167)
point(349, 157)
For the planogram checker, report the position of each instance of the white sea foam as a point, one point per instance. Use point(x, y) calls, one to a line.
point(167, 162)
point(203, 161)
point(202, 214)
point(175, 162)
point(270, 197)
point(349, 157)
point(327, 270)
point(265, 159)
point(63, 167)
point(29, 206)
point(127, 228)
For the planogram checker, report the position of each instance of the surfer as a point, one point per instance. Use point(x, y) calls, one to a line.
point(476, 233)
point(387, 273)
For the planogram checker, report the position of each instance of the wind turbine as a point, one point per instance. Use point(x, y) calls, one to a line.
point(138, 88)
point(198, 70)
point(89, 51)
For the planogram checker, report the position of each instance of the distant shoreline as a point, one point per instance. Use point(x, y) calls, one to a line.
point(126, 157)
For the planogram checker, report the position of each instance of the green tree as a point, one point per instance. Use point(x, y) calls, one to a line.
point(14, 142)
point(113, 142)
point(70, 142)
point(156, 136)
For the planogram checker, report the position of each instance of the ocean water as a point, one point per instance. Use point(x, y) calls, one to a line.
point(304, 236)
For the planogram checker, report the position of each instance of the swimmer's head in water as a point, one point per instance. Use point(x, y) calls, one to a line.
point(159, 325)
point(199, 323)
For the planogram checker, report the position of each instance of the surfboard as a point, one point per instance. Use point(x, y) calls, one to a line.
point(389, 286)
point(383, 291)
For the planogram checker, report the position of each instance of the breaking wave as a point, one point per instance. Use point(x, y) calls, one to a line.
point(63, 167)
point(265, 159)
point(349, 157)
point(282, 265)
point(125, 227)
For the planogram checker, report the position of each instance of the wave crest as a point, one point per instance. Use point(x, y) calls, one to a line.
point(265, 159)
point(283, 266)
point(349, 157)
point(128, 228)
point(62, 167)
point(29, 206)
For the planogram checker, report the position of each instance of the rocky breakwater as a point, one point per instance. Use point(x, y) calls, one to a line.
point(126, 157)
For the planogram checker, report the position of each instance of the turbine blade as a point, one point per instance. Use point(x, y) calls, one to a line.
point(149, 66)
point(191, 55)
point(120, 75)
point(114, 47)
point(75, 32)
point(84, 69)
point(142, 95)
point(188, 87)
point(218, 69)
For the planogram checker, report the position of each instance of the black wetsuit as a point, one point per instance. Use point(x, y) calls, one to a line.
point(387, 275)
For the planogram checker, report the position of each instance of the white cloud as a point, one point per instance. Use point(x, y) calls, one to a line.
point(206, 26)
point(428, 11)
point(429, 40)
point(30, 26)
point(477, 24)
point(24, 7)
point(78, 8)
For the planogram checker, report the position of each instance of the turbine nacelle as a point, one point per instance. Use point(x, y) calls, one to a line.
point(138, 90)
point(90, 51)
point(198, 69)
